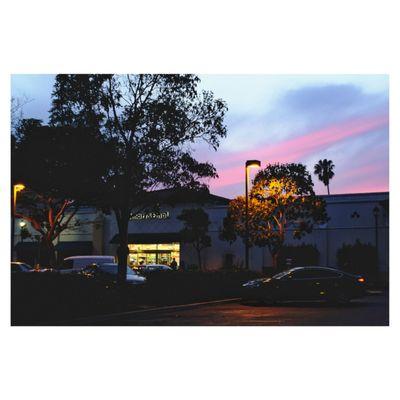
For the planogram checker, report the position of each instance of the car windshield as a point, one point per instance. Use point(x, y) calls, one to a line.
point(281, 274)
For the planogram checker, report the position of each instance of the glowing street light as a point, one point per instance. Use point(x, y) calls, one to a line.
point(249, 164)
point(18, 187)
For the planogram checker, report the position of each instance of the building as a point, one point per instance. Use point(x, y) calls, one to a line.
point(154, 234)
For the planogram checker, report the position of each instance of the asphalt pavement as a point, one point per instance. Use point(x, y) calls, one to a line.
point(372, 310)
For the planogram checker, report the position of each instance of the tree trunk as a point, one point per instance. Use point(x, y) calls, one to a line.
point(46, 253)
point(275, 257)
point(328, 189)
point(199, 259)
point(123, 250)
point(275, 261)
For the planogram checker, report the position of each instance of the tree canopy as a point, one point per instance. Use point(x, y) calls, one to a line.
point(62, 168)
point(324, 170)
point(152, 122)
point(60, 162)
point(282, 197)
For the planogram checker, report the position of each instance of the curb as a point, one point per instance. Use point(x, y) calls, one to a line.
point(105, 317)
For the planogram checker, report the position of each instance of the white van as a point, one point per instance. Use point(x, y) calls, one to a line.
point(77, 263)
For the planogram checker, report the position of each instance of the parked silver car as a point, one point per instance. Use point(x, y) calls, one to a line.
point(17, 267)
point(77, 263)
point(110, 270)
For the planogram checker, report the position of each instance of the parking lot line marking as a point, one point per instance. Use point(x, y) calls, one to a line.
point(105, 317)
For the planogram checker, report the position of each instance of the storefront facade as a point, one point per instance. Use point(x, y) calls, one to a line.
point(155, 235)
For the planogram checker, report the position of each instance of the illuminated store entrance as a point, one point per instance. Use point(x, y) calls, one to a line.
point(151, 248)
point(158, 253)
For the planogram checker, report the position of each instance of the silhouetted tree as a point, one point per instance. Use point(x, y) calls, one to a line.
point(17, 105)
point(195, 231)
point(62, 169)
point(282, 197)
point(324, 170)
point(151, 120)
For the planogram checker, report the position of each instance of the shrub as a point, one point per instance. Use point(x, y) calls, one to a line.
point(357, 258)
point(302, 255)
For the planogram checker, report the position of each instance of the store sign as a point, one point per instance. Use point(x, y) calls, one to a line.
point(150, 215)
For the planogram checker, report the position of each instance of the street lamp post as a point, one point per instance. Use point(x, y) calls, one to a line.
point(249, 164)
point(375, 211)
point(14, 192)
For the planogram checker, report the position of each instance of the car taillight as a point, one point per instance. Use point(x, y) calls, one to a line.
point(361, 280)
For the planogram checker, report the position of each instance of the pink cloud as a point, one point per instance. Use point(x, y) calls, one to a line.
point(295, 149)
point(375, 185)
point(365, 171)
point(367, 178)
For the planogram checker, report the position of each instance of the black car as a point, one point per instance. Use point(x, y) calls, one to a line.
point(306, 283)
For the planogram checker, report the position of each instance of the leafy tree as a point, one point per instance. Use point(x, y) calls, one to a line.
point(151, 121)
point(282, 197)
point(195, 231)
point(48, 217)
point(62, 169)
point(324, 169)
point(17, 105)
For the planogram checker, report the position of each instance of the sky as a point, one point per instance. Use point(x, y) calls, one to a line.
point(283, 118)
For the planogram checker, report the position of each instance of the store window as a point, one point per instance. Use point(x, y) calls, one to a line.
point(161, 253)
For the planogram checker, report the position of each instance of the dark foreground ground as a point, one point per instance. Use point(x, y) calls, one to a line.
point(370, 311)
point(167, 300)
point(46, 299)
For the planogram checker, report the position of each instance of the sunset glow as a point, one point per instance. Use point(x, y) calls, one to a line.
point(283, 118)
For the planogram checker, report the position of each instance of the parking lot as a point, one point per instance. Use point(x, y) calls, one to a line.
point(369, 311)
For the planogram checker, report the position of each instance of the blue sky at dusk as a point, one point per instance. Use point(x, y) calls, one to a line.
point(283, 118)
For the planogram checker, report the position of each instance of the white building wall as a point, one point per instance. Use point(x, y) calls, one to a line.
point(342, 228)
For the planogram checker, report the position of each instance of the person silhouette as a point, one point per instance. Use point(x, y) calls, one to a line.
point(174, 264)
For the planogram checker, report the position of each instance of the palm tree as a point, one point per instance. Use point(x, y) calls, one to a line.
point(324, 170)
